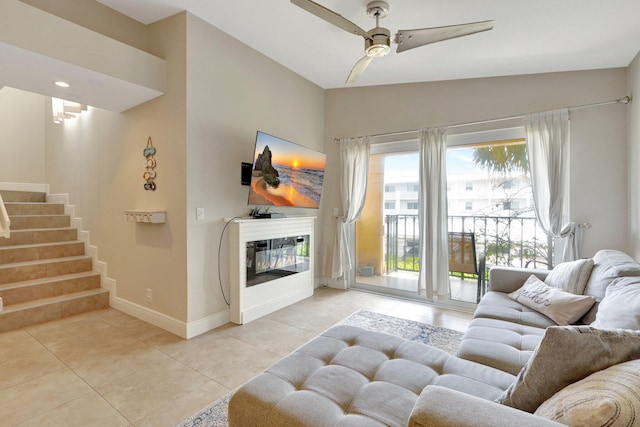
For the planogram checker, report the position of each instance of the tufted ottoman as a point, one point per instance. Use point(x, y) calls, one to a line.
point(349, 376)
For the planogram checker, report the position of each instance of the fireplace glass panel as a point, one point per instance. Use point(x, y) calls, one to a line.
point(274, 258)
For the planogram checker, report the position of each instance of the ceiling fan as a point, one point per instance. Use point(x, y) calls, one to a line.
point(377, 41)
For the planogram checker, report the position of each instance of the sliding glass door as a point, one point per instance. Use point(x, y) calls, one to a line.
point(489, 204)
point(387, 231)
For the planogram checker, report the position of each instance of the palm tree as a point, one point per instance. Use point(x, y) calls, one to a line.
point(502, 159)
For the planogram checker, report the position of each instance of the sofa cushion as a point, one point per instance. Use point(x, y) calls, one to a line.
point(565, 355)
point(610, 397)
point(620, 307)
point(570, 276)
point(608, 265)
point(508, 279)
point(438, 406)
point(498, 305)
point(351, 376)
point(564, 308)
point(500, 344)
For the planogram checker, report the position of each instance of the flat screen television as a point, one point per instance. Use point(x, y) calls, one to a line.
point(285, 173)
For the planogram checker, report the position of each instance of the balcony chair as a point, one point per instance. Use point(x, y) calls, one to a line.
point(463, 258)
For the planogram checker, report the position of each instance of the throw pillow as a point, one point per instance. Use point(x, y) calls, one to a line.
point(608, 264)
point(620, 307)
point(570, 276)
point(565, 355)
point(563, 308)
point(607, 398)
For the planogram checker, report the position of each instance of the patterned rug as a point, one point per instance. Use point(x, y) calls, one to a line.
point(215, 415)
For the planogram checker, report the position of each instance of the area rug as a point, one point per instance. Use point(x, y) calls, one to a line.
point(215, 415)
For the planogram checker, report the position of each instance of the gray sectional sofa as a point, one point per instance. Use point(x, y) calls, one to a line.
point(515, 366)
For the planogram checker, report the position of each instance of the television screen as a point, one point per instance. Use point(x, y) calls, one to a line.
point(285, 173)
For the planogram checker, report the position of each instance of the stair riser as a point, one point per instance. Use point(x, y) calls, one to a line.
point(29, 237)
point(43, 270)
point(54, 311)
point(22, 196)
point(39, 221)
point(39, 262)
point(49, 289)
point(34, 209)
point(32, 253)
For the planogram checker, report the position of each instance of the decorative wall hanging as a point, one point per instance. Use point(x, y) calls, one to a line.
point(149, 164)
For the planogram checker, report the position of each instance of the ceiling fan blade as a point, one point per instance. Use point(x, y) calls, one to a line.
point(358, 69)
point(330, 16)
point(409, 39)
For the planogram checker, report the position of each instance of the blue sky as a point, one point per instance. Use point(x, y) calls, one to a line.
point(459, 161)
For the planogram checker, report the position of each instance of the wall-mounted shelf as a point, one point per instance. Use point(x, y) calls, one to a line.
point(149, 217)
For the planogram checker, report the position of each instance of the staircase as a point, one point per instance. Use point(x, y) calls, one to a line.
point(44, 272)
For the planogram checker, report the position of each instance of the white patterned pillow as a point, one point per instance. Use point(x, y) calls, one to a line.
point(564, 308)
point(570, 276)
point(610, 397)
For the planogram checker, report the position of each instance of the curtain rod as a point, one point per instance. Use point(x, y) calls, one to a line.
point(625, 100)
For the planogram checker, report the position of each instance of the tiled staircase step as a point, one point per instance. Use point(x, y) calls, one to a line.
point(34, 208)
point(31, 290)
point(23, 196)
point(24, 253)
point(24, 222)
point(21, 271)
point(54, 308)
point(40, 235)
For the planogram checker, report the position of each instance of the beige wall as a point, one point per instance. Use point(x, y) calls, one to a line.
point(21, 136)
point(97, 159)
point(598, 135)
point(233, 91)
point(219, 93)
point(633, 158)
point(111, 23)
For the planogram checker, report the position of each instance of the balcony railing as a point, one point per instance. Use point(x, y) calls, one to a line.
point(507, 241)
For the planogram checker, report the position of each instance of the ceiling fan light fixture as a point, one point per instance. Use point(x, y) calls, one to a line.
point(378, 44)
point(378, 50)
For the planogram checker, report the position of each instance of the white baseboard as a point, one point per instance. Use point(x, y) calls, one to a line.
point(168, 323)
point(156, 318)
point(208, 323)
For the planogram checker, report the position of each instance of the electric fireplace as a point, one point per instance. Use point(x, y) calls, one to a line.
point(271, 265)
point(271, 259)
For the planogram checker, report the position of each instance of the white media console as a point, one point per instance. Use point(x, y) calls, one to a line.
point(271, 265)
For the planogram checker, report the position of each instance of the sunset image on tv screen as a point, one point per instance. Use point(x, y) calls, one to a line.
point(285, 173)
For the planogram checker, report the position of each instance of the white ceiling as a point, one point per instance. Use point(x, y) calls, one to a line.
point(529, 36)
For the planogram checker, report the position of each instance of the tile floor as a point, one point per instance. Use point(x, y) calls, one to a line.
point(106, 368)
point(464, 290)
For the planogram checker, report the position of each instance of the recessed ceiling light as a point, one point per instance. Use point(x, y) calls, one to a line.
point(62, 84)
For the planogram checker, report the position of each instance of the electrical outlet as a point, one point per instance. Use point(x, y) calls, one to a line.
point(199, 214)
point(335, 212)
point(149, 294)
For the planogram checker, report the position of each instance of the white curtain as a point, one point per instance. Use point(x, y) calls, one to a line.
point(548, 150)
point(354, 170)
point(432, 212)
